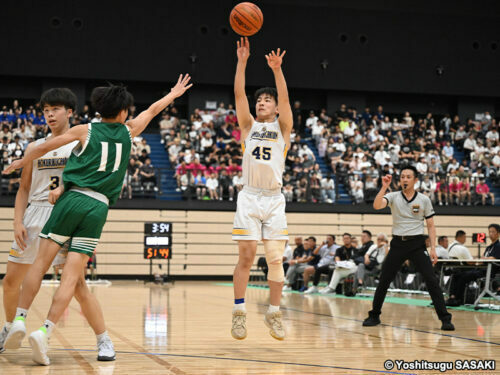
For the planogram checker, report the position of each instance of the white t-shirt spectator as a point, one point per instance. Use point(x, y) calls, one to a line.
point(493, 135)
point(327, 184)
point(470, 144)
point(350, 130)
point(339, 146)
point(237, 180)
point(206, 143)
point(288, 254)
point(380, 253)
point(452, 166)
point(311, 121)
point(459, 251)
point(424, 186)
point(496, 160)
point(317, 129)
point(441, 252)
point(381, 157)
point(422, 168)
point(305, 150)
point(212, 183)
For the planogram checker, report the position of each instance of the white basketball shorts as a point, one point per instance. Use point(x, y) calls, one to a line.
point(260, 215)
point(35, 217)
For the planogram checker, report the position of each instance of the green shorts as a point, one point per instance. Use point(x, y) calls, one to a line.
point(78, 218)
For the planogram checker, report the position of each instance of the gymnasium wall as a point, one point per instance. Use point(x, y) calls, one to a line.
point(202, 244)
point(389, 46)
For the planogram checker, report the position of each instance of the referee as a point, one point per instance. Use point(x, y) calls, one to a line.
point(409, 209)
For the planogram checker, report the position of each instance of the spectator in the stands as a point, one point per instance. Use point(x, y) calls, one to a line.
point(326, 252)
point(238, 181)
point(200, 183)
point(328, 189)
point(302, 190)
point(213, 186)
point(483, 191)
point(465, 191)
point(225, 185)
point(147, 173)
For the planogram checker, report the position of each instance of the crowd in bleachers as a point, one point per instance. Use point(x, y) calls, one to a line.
point(22, 125)
point(458, 161)
point(349, 267)
point(358, 147)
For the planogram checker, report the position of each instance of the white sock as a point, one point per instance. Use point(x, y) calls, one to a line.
point(273, 309)
point(23, 313)
point(48, 327)
point(239, 307)
point(102, 336)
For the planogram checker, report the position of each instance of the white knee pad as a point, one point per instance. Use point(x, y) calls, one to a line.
point(274, 250)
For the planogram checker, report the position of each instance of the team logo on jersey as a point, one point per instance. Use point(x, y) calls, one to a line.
point(51, 163)
point(265, 135)
point(415, 208)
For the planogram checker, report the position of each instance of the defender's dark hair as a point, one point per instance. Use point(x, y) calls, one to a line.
point(496, 226)
point(271, 91)
point(368, 233)
point(411, 168)
point(459, 233)
point(110, 100)
point(59, 96)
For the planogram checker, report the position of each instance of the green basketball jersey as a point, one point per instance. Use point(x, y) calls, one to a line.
point(101, 163)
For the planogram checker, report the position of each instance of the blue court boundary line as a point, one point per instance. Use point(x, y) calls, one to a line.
point(387, 325)
point(240, 360)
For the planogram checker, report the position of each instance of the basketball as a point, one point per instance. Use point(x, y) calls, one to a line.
point(246, 19)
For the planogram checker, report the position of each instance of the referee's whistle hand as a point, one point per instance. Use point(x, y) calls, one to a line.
point(386, 180)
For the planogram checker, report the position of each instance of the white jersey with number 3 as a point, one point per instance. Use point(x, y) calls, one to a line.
point(264, 152)
point(47, 171)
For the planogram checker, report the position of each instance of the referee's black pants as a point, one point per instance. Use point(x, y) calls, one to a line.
point(415, 251)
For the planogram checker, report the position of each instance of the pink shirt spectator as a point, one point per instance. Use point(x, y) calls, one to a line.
point(233, 169)
point(236, 134)
point(456, 187)
point(441, 187)
point(482, 189)
point(181, 169)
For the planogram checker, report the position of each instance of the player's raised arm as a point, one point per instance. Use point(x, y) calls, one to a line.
point(138, 124)
point(77, 133)
point(274, 60)
point(245, 119)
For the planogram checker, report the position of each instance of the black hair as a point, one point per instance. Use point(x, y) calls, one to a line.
point(441, 238)
point(311, 238)
point(496, 226)
point(271, 91)
point(59, 96)
point(459, 233)
point(368, 233)
point(347, 234)
point(110, 100)
point(411, 168)
point(331, 235)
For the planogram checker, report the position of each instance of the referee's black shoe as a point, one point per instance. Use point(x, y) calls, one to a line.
point(447, 325)
point(372, 320)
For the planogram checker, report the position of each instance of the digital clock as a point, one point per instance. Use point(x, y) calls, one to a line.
point(478, 237)
point(157, 240)
point(157, 228)
point(157, 253)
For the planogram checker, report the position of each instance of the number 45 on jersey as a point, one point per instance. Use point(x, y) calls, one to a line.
point(262, 153)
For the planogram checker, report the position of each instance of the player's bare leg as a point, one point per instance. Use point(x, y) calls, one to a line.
point(247, 251)
point(30, 287)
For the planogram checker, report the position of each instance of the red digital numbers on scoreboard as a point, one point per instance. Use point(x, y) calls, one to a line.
point(478, 237)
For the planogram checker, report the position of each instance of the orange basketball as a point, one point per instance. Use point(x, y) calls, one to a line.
point(246, 19)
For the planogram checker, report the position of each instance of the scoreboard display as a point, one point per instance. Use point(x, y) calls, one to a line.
point(478, 237)
point(157, 240)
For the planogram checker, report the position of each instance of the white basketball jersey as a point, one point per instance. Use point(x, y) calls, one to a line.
point(47, 171)
point(264, 152)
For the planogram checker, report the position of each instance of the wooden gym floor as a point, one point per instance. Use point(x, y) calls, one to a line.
point(185, 329)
